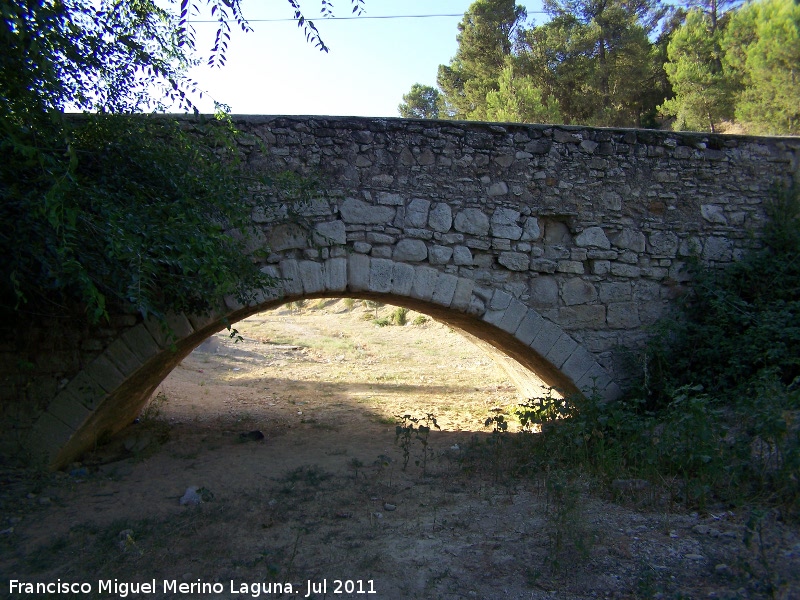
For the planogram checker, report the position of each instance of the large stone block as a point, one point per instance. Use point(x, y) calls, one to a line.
point(69, 410)
point(105, 373)
point(380, 275)
point(410, 250)
point(472, 221)
point(122, 356)
point(529, 327)
point(336, 274)
point(578, 291)
point(513, 316)
point(311, 276)
point(462, 256)
point(623, 315)
point(578, 364)
point(629, 239)
point(424, 283)
point(596, 379)
point(417, 213)
point(141, 343)
point(287, 237)
point(718, 249)
point(591, 316)
point(531, 230)
point(663, 243)
point(514, 261)
point(359, 212)
point(561, 350)
point(358, 272)
point(500, 300)
point(441, 217)
point(330, 233)
point(290, 277)
point(445, 289)
point(546, 337)
point(86, 390)
point(593, 237)
point(504, 224)
point(440, 255)
point(462, 294)
point(402, 279)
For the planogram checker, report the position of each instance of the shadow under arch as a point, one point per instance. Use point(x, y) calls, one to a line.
point(111, 391)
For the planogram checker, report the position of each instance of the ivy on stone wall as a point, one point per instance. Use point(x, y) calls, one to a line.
point(144, 214)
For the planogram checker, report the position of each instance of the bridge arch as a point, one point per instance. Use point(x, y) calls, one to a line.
point(111, 391)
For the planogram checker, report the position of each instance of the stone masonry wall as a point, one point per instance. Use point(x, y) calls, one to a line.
point(567, 242)
point(591, 227)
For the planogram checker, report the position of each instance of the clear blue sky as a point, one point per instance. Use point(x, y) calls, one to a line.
point(371, 63)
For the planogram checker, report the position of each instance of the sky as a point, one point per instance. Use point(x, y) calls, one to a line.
point(371, 64)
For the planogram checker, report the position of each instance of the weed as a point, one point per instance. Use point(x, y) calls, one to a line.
point(373, 305)
point(410, 428)
point(152, 411)
point(355, 464)
point(420, 320)
point(400, 316)
point(382, 322)
point(497, 441)
point(349, 303)
point(568, 536)
point(296, 306)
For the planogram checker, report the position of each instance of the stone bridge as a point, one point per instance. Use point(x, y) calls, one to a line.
point(555, 246)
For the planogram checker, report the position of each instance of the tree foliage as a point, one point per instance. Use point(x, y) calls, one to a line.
point(421, 102)
point(763, 50)
point(110, 209)
point(629, 63)
point(519, 100)
point(703, 90)
point(487, 34)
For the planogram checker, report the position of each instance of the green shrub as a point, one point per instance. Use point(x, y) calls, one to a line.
point(738, 322)
point(400, 316)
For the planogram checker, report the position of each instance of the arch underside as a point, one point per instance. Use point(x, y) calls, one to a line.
point(110, 393)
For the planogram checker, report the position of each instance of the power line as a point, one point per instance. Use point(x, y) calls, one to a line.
point(326, 19)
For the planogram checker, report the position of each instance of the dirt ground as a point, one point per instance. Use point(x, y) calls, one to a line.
point(269, 467)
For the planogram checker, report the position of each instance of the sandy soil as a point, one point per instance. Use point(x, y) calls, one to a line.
point(288, 439)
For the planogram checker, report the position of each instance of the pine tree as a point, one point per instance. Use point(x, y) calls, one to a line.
point(487, 34)
point(762, 49)
point(703, 90)
point(421, 102)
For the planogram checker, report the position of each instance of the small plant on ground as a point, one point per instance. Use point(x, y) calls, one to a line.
point(152, 411)
point(400, 316)
point(569, 538)
point(410, 428)
point(296, 306)
point(420, 320)
point(373, 305)
point(497, 442)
